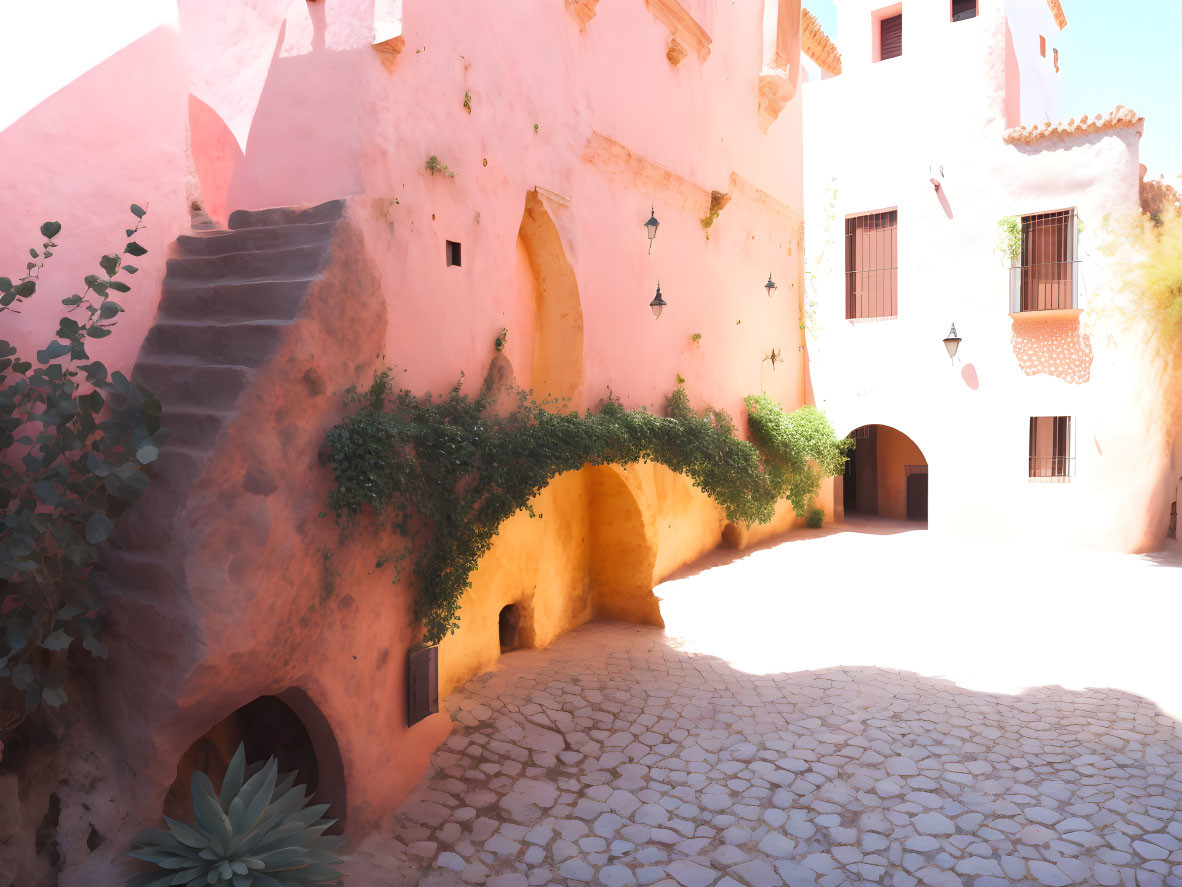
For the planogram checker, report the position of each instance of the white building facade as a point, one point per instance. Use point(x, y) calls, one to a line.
point(941, 124)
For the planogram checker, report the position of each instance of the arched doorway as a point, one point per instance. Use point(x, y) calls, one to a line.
point(289, 727)
point(886, 475)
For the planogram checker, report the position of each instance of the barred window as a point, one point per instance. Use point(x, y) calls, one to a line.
point(871, 272)
point(1051, 451)
point(1046, 274)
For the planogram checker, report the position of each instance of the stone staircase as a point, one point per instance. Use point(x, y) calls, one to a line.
point(228, 297)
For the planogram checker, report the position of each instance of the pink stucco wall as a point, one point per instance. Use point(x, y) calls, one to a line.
point(288, 103)
point(577, 131)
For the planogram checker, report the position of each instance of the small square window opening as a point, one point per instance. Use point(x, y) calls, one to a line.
point(963, 10)
point(453, 254)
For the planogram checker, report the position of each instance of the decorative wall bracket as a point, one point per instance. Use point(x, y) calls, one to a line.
point(775, 91)
point(582, 11)
point(781, 58)
point(685, 34)
point(387, 33)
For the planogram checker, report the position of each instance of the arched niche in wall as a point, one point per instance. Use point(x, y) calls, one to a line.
point(557, 369)
point(288, 726)
point(623, 550)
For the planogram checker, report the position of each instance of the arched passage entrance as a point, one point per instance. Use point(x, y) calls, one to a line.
point(623, 553)
point(886, 475)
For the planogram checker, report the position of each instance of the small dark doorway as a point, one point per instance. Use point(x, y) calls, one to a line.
point(267, 727)
point(917, 496)
point(509, 626)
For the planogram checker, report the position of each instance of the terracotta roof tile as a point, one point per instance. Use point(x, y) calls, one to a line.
point(1121, 118)
point(815, 43)
point(1057, 12)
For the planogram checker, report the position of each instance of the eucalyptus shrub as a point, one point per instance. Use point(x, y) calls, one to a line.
point(448, 473)
point(73, 442)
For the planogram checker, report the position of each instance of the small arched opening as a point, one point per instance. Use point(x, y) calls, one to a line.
point(288, 727)
point(509, 627)
point(886, 475)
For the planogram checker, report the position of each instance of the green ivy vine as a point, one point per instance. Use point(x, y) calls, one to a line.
point(448, 472)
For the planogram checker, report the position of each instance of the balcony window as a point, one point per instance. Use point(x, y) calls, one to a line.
point(871, 268)
point(963, 9)
point(1052, 455)
point(1044, 279)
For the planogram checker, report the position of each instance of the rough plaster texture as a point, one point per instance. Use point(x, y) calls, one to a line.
point(221, 589)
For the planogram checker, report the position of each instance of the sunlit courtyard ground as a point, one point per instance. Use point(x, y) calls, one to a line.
point(867, 705)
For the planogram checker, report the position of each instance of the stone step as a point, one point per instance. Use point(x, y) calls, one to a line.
point(258, 300)
point(252, 265)
point(193, 427)
point(189, 384)
point(329, 211)
point(219, 243)
point(137, 571)
point(154, 526)
point(239, 344)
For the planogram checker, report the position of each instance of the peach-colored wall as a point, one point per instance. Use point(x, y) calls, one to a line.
point(971, 419)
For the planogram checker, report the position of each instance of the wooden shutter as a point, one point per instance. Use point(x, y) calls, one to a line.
point(1048, 261)
point(1050, 446)
point(871, 267)
point(891, 37)
point(422, 683)
point(963, 9)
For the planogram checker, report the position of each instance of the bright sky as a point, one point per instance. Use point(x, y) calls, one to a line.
point(1113, 54)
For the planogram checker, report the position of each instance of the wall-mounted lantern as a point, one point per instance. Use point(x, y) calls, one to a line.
point(770, 286)
point(657, 304)
point(936, 171)
point(952, 342)
point(651, 227)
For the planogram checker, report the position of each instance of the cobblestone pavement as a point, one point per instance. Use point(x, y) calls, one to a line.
point(614, 758)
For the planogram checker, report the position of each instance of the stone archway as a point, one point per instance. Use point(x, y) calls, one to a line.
point(623, 552)
point(886, 475)
point(557, 369)
point(288, 726)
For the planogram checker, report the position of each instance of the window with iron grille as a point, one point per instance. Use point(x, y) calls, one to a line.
point(890, 37)
point(1044, 279)
point(1051, 452)
point(963, 9)
point(871, 272)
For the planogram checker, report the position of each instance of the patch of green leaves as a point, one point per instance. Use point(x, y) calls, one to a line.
point(258, 831)
point(447, 472)
point(73, 440)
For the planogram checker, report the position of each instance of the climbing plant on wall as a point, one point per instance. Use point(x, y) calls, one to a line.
point(73, 442)
point(447, 472)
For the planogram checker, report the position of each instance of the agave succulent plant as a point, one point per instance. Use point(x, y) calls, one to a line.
point(257, 833)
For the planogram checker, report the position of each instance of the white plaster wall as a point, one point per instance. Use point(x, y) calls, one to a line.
point(875, 150)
